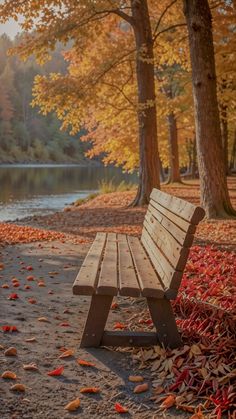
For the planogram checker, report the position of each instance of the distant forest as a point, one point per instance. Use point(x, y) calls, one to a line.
point(25, 135)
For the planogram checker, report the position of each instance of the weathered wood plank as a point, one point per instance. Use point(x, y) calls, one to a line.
point(183, 224)
point(174, 252)
point(149, 281)
point(85, 282)
point(164, 321)
point(96, 320)
point(108, 278)
point(189, 212)
point(128, 282)
point(169, 276)
point(128, 338)
point(154, 217)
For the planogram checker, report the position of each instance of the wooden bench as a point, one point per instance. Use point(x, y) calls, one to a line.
point(152, 267)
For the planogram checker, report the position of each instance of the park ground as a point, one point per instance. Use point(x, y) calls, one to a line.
point(40, 258)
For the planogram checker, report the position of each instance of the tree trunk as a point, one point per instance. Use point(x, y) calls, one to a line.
point(213, 183)
point(193, 168)
point(149, 170)
point(225, 132)
point(233, 154)
point(174, 173)
point(162, 172)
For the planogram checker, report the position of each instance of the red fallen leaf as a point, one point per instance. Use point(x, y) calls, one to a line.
point(32, 301)
point(9, 328)
point(56, 372)
point(114, 306)
point(30, 278)
point(119, 325)
point(64, 324)
point(120, 409)
point(85, 363)
point(5, 286)
point(29, 268)
point(90, 390)
point(50, 292)
point(13, 296)
point(16, 284)
point(27, 287)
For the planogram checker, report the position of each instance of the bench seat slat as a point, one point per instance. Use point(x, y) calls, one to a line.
point(128, 282)
point(85, 282)
point(107, 282)
point(149, 282)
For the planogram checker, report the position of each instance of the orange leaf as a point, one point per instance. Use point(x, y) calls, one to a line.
point(119, 325)
point(135, 378)
point(120, 409)
point(9, 374)
point(141, 388)
point(43, 319)
point(30, 278)
point(10, 351)
point(41, 284)
point(57, 371)
point(5, 286)
point(168, 402)
point(85, 363)
point(90, 390)
point(67, 353)
point(18, 387)
point(72, 406)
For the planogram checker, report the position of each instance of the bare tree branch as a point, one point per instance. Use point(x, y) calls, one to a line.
point(160, 18)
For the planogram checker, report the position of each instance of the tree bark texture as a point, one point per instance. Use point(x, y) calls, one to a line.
point(225, 135)
point(149, 162)
point(174, 175)
point(213, 183)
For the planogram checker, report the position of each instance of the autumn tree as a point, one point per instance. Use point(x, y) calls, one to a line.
point(214, 192)
point(59, 20)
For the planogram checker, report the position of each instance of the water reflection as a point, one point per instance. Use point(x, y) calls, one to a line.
point(27, 190)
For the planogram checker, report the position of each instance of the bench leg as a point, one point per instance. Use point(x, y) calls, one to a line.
point(164, 321)
point(96, 320)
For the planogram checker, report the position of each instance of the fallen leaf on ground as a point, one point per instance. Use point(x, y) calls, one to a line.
point(119, 325)
point(10, 351)
point(13, 296)
point(41, 284)
point(9, 328)
point(30, 278)
point(18, 387)
point(85, 363)
point(43, 319)
point(2, 266)
point(66, 354)
point(27, 287)
point(120, 409)
point(90, 390)
point(31, 339)
point(168, 402)
point(64, 324)
point(5, 286)
point(32, 301)
point(30, 367)
point(57, 371)
point(136, 378)
point(29, 268)
point(9, 374)
point(72, 406)
point(114, 306)
point(141, 388)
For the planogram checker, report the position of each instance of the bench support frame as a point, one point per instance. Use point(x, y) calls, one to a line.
point(94, 333)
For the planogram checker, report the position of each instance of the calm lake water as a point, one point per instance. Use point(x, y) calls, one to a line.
point(27, 190)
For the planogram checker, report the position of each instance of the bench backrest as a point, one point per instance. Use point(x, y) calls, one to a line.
point(167, 235)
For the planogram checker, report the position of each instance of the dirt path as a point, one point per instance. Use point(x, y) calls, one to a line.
point(45, 397)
